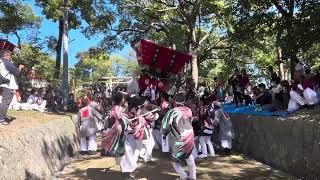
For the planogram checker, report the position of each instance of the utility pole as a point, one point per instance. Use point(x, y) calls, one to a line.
point(65, 83)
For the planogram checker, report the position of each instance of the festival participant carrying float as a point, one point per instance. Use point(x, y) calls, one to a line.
point(88, 120)
point(177, 126)
point(120, 139)
point(116, 141)
point(165, 107)
point(142, 128)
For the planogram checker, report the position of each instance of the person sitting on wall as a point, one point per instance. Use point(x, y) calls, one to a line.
point(15, 103)
point(36, 102)
point(72, 105)
point(51, 102)
point(296, 97)
point(278, 93)
point(264, 98)
point(229, 98)
point(299, 71)
point(58, 99)
point(309, 93)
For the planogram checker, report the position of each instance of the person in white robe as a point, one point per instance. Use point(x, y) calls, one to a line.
point(309, 93)
point(296, 99)
point(15, 103)
point(226, 133)
point(310, 96)
point(35, 102)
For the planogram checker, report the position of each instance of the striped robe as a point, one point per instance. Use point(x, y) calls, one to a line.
point(177, 125)
point(113, 140)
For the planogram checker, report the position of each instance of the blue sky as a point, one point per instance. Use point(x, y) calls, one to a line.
point(78, 41)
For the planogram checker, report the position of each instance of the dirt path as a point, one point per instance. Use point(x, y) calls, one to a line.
point(220, 168)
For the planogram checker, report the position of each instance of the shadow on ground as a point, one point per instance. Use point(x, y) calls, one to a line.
point(220, 168)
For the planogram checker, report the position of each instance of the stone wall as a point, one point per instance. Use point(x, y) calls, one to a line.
point(37, 152)
point(291, 144)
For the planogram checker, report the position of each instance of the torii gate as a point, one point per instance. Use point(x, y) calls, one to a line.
point(115, 80)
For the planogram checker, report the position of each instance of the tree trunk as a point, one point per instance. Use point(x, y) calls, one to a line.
point(58, 51)
point(291, 39)
point(280, 63)
point(279, 52)
point(19, 39)
point(194, 67)
point(193, 49)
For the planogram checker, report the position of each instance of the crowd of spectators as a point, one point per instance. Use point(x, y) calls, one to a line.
point(276, 94)
point(51, 100)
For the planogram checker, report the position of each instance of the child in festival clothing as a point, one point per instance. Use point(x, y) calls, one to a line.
point(226, 133)
point(206, 130)
point(88, 118)
point(177, 126)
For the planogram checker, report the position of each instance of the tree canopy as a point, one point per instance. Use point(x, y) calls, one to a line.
point(221, 34)
point(17, 16)
point(82, 14)
point(96, 63)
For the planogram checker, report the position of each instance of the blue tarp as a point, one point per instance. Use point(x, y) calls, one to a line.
point(250, 110)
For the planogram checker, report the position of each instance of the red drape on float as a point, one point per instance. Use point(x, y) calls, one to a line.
point(163, 58)
point(159, 59)
point(6, 45)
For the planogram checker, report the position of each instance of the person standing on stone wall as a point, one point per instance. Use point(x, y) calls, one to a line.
point(9, 73)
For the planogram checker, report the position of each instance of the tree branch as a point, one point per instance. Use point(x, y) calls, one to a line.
point(120, 31)
point(18, 37)
point(205, 37)
point(279, 7)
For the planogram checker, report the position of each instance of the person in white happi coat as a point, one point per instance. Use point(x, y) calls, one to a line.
point(226, 133)
point(88, 120)
point(35, 102)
